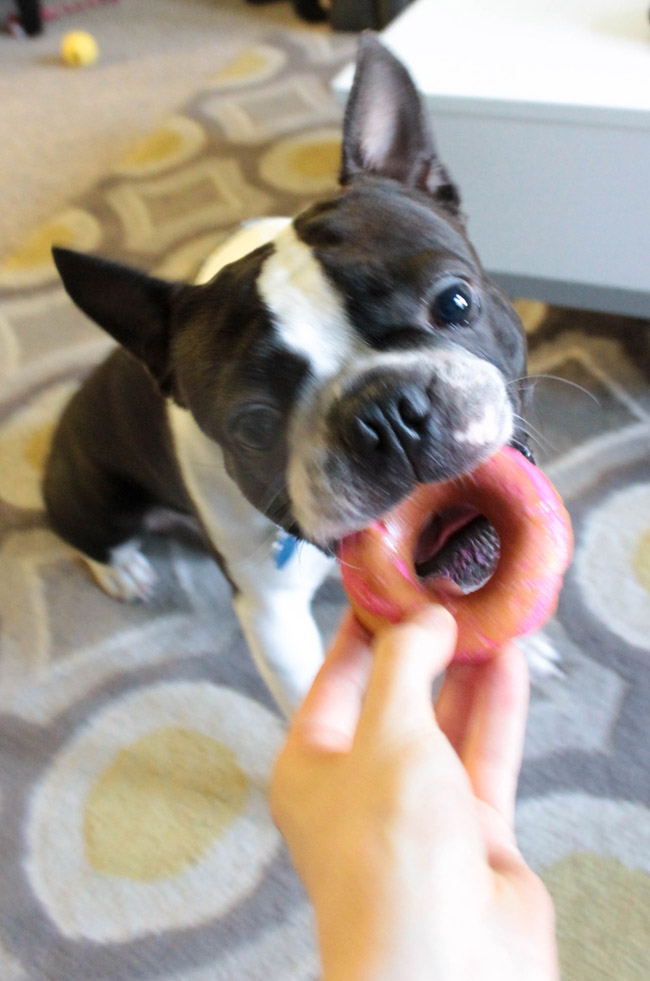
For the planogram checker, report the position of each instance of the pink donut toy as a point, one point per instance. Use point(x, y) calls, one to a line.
point(535, 543)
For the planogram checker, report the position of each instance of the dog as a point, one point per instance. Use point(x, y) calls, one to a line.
point(327, 365)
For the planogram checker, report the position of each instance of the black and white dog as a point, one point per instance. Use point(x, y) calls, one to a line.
point(326, 365)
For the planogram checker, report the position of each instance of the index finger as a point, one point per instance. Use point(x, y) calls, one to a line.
point(408, 657)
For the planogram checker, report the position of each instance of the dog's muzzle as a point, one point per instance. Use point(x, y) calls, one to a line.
point(390, 422)
point(398, 429)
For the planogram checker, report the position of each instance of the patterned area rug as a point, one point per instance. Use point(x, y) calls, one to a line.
point(136, 741)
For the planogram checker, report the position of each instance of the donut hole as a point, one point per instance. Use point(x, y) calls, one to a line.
point(458, 548)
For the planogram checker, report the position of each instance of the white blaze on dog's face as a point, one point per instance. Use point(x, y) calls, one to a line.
point(306, 310)
point(369, 423)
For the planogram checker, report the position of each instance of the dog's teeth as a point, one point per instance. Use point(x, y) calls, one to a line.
point(128, 577)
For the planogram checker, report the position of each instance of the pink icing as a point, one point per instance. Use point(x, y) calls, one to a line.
point(367, 598)
point(403, 568)
point(533, 495)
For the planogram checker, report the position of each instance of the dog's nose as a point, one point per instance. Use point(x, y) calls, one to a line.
point(435, 420)
point(386, 423)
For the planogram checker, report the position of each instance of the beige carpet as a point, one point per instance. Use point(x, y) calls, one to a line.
point(136, 742)
point(60, 128)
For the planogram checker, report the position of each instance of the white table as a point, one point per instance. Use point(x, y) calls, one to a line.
point(541, 111)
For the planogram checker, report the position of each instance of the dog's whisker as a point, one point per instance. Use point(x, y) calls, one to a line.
point(520, 380)
point(273, 491)
point(272, 495)
point(534, 433)
point(262, 548)
point(348, 565)
point(284, 518)
point(546, 376)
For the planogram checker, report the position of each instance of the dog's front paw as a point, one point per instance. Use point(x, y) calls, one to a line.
point(129, 576)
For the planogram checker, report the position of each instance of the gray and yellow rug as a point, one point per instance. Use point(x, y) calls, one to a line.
point(136, 741)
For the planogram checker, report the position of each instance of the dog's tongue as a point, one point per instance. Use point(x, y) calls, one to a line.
point(459, 548)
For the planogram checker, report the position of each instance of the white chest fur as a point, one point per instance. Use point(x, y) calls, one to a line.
point(272, 603)
point(240, 533)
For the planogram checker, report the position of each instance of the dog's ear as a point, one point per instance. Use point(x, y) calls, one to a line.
point(385, 128)
point(132, 307)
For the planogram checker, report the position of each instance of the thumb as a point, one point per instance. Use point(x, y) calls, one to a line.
point(408, 658)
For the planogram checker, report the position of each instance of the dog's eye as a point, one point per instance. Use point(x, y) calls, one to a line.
point(453, 306)
point(256, 427)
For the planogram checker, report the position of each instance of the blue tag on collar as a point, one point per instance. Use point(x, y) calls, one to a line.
point(283, 548)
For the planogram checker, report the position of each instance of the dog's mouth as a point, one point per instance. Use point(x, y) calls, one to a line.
point(458, 548)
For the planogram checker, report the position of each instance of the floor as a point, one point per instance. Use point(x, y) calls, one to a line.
point(62, 127)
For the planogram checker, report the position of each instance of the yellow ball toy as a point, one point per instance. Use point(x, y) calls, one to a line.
point(79, 48)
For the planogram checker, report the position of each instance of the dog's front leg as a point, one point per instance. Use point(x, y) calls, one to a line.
point(273, 576)
point(284, 641)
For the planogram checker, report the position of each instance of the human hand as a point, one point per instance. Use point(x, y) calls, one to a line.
point(400, 821)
